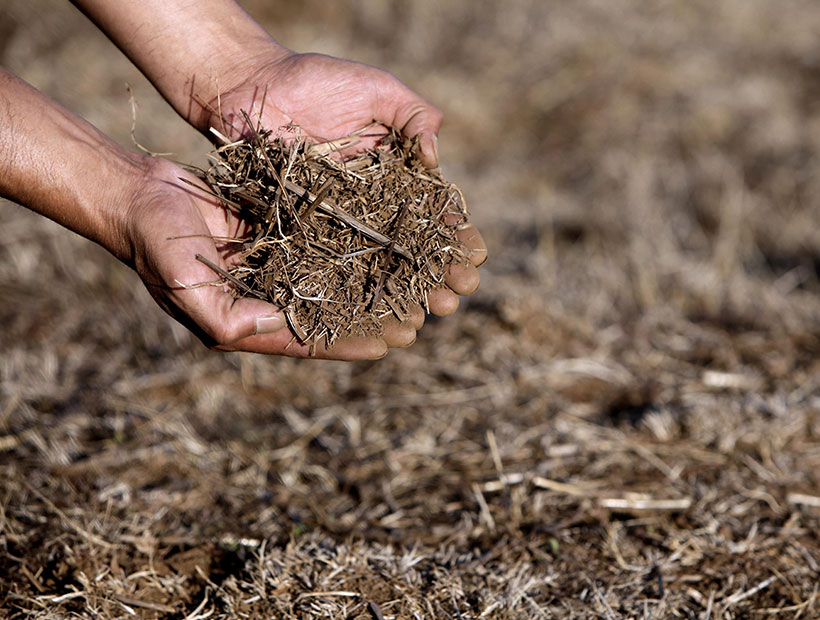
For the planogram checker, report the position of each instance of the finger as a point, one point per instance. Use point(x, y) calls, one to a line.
point(285, 343)
point(471, 237)
point(210, 311)
point(442, 301)
point(428, 149)
point(413, 116)
point(255, 326)
point(226, 320)
point(249, 325)
point(398, 333)
point(416, 317)
point(353, 348)
point(462, 279)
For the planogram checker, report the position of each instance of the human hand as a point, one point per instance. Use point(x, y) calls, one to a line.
point(168, 223)
point(329, 98)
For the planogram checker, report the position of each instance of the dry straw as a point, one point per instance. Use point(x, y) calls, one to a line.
point(340, 243)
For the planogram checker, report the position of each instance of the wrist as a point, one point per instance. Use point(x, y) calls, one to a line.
point(129, 175)
point(213, 61)
point(247, 66)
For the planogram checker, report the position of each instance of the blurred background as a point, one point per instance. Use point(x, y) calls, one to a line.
point(648, 326)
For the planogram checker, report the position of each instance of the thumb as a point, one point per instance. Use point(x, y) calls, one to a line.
point(226, 320)
point(231, 320)
point(413, 116)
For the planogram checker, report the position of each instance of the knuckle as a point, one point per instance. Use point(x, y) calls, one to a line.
point(225, 335)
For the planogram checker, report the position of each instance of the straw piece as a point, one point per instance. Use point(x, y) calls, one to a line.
point(325, 206)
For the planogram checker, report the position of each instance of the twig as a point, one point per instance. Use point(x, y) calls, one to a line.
point(133, 101)
point(204, 190)
point(320, 196)
point(344, 593)
point(801, 499)
point(232, 279)
point(560, 487)
point(739, 596)
point(329, 208)
point(375, 611)
point(144, 604)
point(486, 515)
point(377, 295)
point(620, 503)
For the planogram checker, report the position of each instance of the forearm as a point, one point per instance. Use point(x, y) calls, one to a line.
point(55, 163)
point(187, 48)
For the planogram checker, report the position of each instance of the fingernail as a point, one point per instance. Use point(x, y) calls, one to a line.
point(429, 148)
point(269, 324)
point(432, 148)
point(383, 354)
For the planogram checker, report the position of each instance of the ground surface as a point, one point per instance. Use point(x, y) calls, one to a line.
point(623, 422)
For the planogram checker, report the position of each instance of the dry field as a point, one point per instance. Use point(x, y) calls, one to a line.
point(624, 422)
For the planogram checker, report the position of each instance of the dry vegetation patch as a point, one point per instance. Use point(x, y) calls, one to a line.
point(624, 422)
point(340, 243)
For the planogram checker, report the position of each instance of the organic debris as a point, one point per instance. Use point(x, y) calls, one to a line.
point(646, 338)
point(339, 243)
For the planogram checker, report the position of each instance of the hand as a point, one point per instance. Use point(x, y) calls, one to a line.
point(329, 98)
point(168, 223)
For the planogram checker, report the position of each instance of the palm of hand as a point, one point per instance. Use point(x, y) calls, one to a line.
point(327, 98)
point(172, 223)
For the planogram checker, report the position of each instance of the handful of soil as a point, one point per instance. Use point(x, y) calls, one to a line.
point(339, 244)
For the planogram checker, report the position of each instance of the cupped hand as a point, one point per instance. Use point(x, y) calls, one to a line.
point(330, 98)
point(169, 222)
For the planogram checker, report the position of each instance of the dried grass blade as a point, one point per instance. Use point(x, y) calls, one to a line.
point(327, 207)
point(230, 278)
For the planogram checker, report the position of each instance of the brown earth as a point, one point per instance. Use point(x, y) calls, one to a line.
point(623, 422)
